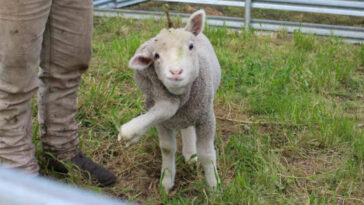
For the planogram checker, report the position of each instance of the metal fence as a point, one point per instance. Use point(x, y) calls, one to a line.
point(17, 188)
point(334, 7)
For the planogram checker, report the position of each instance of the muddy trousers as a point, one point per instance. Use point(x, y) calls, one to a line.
point(54, 35)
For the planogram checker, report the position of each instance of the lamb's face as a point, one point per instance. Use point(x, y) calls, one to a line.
point(173, 54)
point(175, 59)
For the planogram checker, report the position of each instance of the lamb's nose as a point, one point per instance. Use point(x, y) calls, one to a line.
point(176, 72)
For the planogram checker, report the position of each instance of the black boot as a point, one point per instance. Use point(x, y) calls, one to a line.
point(87, 166)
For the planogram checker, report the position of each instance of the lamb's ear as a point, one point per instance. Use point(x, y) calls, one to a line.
point(143, 56)
point(140, 61)
point(196, 22)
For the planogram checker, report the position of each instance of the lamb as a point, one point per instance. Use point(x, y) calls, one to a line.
point(179, 73)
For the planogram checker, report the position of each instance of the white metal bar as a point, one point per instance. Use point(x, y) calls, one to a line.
point(311, 9)
point(125, 3)
point(318, 29)
point(320, 3)
point(210, 2)
point(17, 188)
point(98, 3)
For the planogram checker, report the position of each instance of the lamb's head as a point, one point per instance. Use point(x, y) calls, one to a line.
point(173, 55)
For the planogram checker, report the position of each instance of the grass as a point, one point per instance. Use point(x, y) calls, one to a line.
point(290, 120)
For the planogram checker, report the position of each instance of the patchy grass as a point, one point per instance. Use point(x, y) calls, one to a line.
point(290, 120)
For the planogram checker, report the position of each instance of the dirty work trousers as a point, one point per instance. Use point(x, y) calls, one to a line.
point(54, 35)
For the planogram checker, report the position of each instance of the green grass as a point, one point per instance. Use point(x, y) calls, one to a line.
point(289, 109)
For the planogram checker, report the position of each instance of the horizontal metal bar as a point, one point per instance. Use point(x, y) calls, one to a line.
point(310, 9)
point(318, 29)
point(17, 188)
point(290, 5)
point(320, 3)
point(106, 6)
point(355, 34)
point(115, 4)
point(129, 3)
point(98, 3)
point(209, 2)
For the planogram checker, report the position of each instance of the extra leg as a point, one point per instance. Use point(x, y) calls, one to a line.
point(167, 143)
point(189, 144)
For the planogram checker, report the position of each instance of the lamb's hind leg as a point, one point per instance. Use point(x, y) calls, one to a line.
point(167, 143)
point(206, 151)
point(189, 144)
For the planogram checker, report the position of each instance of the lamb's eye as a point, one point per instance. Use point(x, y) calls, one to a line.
point(190, 46)
point(156, 55)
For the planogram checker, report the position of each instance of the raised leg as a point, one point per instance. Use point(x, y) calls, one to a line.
point(161, 111)
point(189, 144)
point(167, 143)
point(206, 152)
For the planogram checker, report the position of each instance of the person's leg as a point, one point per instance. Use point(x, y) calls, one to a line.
point(65, 57)
point(21, 29)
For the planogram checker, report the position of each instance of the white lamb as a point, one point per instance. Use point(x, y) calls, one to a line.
point(179, 73)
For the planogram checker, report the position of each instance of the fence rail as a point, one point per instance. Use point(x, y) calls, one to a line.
point(107, 4)
point(17, 188)
point(334, 7)
point(351, 8)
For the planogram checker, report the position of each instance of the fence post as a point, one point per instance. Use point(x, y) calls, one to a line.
point(248, 5)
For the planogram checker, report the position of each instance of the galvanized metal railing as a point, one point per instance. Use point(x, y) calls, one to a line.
point(334, 7)
point(107, 4)
point(340, 7)
point(17, 188)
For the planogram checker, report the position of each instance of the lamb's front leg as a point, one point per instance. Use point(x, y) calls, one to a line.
point(206, 151)
point(168, 146)
point(135, 128)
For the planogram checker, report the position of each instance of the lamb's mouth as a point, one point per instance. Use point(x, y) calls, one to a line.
point(175, 79)
point(177, 91)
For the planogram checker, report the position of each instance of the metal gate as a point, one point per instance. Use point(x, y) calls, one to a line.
point(334, 7)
